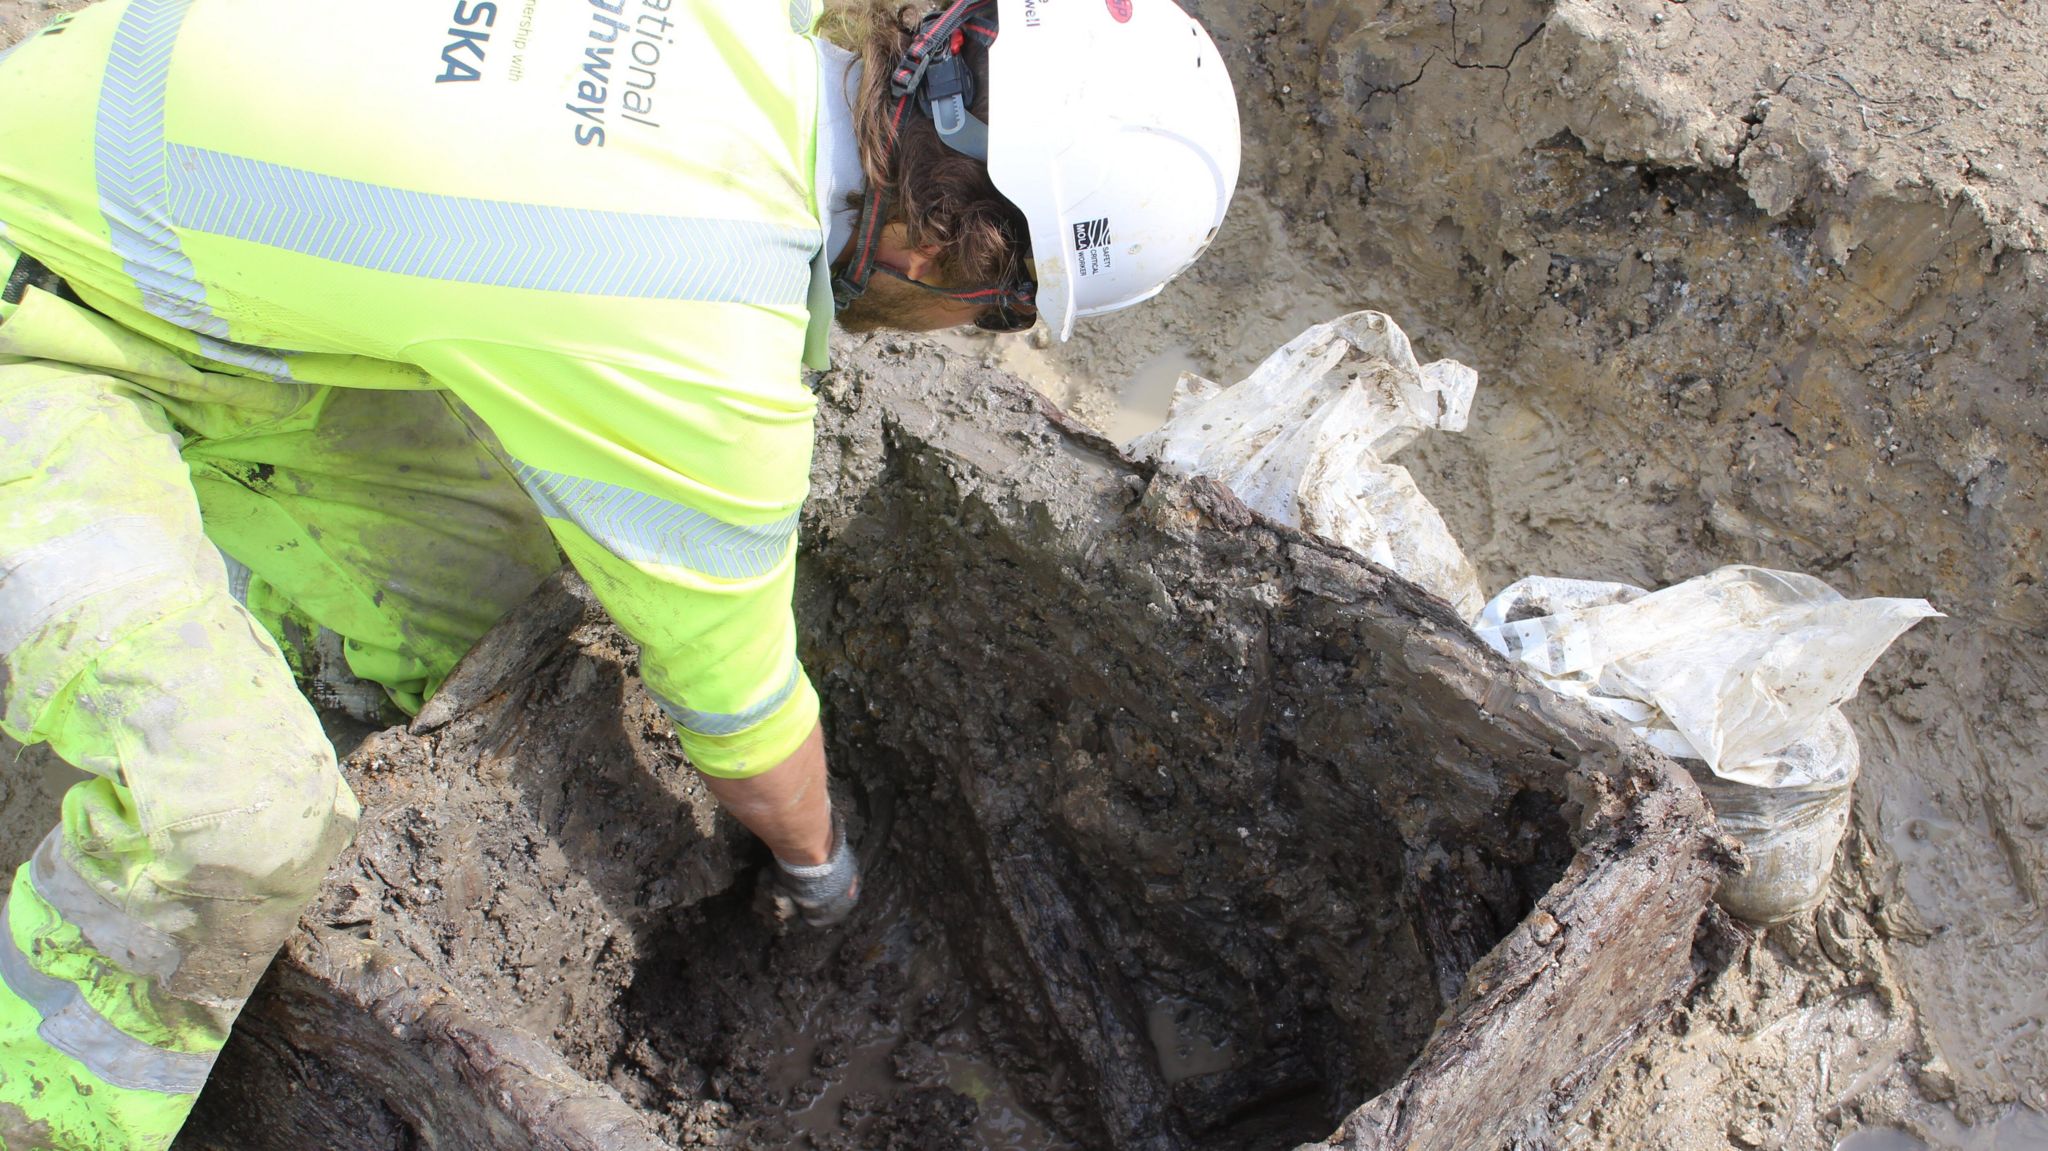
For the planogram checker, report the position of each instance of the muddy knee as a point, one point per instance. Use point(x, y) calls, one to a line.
point(287, 821)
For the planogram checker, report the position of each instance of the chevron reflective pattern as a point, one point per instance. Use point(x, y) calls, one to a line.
point(128, 150)
point(128, 155)
point(729, 723)
point(646, 529)
point(493, 242)
point(800, 16)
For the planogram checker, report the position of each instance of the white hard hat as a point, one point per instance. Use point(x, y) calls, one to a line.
point(1112, 126)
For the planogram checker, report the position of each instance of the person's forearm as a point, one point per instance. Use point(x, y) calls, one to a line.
point(787, 806)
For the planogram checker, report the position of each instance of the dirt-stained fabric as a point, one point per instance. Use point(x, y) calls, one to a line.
point(215, 805)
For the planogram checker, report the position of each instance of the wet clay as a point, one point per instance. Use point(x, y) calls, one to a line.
point(1744, 281)
point(1328, 889)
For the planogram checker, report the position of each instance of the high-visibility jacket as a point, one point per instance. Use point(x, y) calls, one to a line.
point(597, 222)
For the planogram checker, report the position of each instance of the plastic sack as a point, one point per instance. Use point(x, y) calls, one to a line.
point(1789, 832)
point(1731, 665)
point(1304, 440)
point(1740, 675)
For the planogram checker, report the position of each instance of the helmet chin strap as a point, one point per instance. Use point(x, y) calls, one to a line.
point(945, 96)
point(1014, 308)
point(931, 72)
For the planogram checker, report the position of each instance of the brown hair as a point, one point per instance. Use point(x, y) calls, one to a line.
point(940, 196)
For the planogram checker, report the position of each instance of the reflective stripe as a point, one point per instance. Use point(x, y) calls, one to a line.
point(495, 242)
point(9, 255)
point(40, 583)
point(641, 528)
point(134, 946)
point(128, 159)
point(800, 16)
point(729, 723)
point(71, 1025)
point(239, 576)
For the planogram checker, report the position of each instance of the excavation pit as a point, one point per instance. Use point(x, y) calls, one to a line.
point(1727, 306)
point(1186, 831)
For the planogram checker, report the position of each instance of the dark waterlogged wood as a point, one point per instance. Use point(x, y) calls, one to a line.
point(1285, 788)
point(1152, 759)
point(403, 1062)
point(1545, 1012)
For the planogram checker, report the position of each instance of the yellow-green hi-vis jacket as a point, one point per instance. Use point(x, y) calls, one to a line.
point(596, 222)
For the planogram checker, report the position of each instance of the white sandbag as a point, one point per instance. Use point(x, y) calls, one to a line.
point(1789, 830)
point(1739, 662)
point(1304, 440)
point(1739, 674)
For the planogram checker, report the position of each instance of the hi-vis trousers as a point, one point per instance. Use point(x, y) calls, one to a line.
point(142, 922)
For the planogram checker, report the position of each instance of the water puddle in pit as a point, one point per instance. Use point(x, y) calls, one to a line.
point(882, 1063)
point(1142, 400)
point(1004, 1124)
point(1180, 1035)
point(2020, 1129)
point(1874, 1139)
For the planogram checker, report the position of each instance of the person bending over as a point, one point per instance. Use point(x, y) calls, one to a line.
point(336, 328)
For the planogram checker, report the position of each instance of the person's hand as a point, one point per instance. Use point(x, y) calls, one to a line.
point(823, 894)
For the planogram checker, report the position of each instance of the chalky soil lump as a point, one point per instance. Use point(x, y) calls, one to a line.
point(1200, 834)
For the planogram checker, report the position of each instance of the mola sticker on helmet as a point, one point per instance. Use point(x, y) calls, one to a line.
point(1114, 131)
point(1092, 247)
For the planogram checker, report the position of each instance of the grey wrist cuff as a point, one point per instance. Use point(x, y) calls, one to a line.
point(816, 884)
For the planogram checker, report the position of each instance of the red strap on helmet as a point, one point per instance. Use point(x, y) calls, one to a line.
point(949, 28)
point(939, 28)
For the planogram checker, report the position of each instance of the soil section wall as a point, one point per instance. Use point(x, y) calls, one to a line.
point(1161, 777)
point(1744, 282)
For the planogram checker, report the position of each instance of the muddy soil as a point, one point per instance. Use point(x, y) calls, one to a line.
point(538, 859)
point(1744, 281)
point(18, 18)
point(1184, 833)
